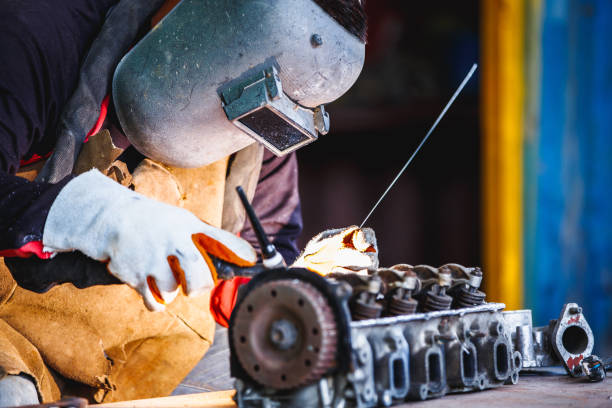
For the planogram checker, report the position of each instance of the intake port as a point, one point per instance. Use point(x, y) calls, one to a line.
point(435, 372)
point(502, 357)
point(468, 363)
point(575, 339)
point(398, 374)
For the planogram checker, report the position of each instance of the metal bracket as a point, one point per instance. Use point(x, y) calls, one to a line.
point(567, 340)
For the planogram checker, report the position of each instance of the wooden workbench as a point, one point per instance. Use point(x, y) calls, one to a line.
point(531, 391)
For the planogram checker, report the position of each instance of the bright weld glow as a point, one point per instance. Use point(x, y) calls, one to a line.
point(341, 252)
point(450, 102)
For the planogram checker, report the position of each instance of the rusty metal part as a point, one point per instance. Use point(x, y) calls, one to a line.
point(437, 301)
point(401, 284)
point(399, 305)
point(366, 289)
point(572, 338)
point(435, 284)
point(465, 283)
point(364, 304)
point(406, 289)
point(565, 341)
point(467, 297)
point(365, 309)
point(285, 334)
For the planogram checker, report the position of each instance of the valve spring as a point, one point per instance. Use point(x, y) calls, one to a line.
point(399, 306)
point(363, 311)
point(465, 297)
point(435, 302)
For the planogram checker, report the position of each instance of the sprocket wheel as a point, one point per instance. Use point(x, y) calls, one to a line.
point(285, 334)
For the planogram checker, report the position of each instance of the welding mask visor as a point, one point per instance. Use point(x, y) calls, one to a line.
point(214, 76)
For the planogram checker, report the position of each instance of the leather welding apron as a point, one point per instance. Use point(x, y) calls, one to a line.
point(101, 342)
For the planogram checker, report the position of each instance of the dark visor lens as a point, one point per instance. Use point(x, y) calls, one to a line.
point(276, 131)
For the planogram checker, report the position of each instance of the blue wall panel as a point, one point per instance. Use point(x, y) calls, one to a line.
point(569, 243)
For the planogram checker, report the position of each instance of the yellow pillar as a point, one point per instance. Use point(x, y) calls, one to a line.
point(502, 86)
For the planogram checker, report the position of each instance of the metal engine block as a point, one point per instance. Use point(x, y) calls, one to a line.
point(397, 334)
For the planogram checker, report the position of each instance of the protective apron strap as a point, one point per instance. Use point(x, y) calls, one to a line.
point(120, 30)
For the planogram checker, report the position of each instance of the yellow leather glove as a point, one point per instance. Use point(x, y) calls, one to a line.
point(341, 250)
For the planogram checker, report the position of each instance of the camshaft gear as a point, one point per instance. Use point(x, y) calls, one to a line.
point(285, 334)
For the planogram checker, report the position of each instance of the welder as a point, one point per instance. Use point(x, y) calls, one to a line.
point(125, 126)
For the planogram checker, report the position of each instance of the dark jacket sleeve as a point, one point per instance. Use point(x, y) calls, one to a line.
point(42, 43)
point(277, 204)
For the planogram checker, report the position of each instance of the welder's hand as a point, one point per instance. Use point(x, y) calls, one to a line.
point(153, 247)
point(350, 249)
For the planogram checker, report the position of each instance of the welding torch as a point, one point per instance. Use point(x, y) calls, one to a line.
point(271, 258)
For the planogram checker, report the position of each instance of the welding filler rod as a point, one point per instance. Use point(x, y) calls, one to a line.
point(450, 102)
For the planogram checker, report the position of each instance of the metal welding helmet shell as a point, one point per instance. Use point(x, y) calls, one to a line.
point(216, 75)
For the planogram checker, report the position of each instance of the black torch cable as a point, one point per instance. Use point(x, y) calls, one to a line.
point(267, 249)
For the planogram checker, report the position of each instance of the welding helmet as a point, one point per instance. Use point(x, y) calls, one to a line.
point(214, 76)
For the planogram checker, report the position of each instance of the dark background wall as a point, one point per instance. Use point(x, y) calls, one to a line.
point(416, 56)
